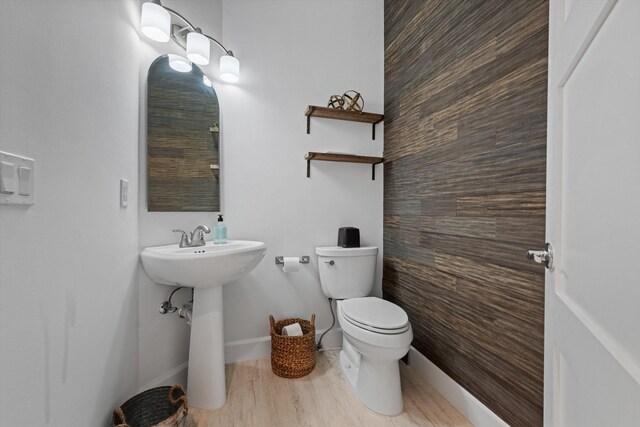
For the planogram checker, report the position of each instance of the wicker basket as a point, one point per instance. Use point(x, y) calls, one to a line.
point(158, 407)
point(291, 356)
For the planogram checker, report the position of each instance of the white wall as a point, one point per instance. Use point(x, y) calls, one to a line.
point(71, 95)
point(164, 339)
point(68, 299)
point(292, 54)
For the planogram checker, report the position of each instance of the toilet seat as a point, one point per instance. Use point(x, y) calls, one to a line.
point(384, 338)
point(375, 315)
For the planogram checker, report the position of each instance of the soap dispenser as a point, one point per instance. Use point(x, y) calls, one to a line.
point(220, 232)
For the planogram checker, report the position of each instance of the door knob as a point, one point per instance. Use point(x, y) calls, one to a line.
point(544, 256)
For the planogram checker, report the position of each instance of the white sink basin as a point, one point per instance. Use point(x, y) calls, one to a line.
point(203, 266)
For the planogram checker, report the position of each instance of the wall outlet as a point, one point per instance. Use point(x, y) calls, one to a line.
point(124, 193)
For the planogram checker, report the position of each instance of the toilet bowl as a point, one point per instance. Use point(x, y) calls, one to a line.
point(376, 333)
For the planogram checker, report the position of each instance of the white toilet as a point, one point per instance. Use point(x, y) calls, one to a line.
point(376, 332)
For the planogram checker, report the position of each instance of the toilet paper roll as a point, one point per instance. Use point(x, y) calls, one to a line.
point(294, 330)
point(291, 264)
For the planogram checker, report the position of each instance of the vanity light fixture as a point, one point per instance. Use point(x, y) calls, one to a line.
point(156, 24)
point(179, 63)
point(198, 47)
point(229, 68)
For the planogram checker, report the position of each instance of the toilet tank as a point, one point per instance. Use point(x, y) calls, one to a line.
point(350, 275)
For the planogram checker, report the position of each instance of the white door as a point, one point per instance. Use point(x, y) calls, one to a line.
point(592, 321)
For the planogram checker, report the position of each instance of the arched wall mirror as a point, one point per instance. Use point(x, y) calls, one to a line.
point(183, 134)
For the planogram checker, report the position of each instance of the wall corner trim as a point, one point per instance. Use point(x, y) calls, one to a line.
point(474, 410)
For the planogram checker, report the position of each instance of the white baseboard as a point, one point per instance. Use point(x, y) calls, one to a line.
point(257, 348)
point(251, 349)
point(177, 375)
point(238, 351)
point(332, 340)
point(465, 402)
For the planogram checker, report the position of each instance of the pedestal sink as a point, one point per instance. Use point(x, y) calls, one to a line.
point(206, 269)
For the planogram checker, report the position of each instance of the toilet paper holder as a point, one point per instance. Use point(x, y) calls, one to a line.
point(303, 260)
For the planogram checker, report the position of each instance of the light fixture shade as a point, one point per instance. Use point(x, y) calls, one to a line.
point(179, 63)
point(198, 48)
point(206, 80)
point(229, 69)
point(155, 22)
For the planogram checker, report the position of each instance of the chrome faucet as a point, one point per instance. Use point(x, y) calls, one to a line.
point(197, 235)
point(196, 239)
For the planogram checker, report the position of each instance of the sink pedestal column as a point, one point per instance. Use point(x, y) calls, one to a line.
point(206, 388)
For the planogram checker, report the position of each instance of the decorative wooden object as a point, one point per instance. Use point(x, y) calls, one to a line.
point(464, 197)
point(349, 158)
point(352, 116)
point(353, 101)
point(336, 102)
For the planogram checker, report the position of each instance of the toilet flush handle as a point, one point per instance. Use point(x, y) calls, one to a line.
point(330, 262)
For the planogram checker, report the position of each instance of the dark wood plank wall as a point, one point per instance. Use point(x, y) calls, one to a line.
point(465, 153)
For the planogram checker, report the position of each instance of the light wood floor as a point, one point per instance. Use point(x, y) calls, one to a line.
point(257, 397)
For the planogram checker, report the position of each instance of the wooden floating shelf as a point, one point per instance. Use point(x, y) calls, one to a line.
point(349, 158)
point(351, 116)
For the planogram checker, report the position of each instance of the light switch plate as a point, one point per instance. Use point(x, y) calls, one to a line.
point(24, 181)
point(124, 193)
point(21, 180)
point(8, 178)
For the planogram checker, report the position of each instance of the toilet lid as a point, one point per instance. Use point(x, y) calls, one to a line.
point(375, 314)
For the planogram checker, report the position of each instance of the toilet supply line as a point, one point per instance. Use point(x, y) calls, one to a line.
point(333, 322)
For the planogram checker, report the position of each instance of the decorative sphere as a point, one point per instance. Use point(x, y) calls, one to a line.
point(336, 101)
point(353, 101)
